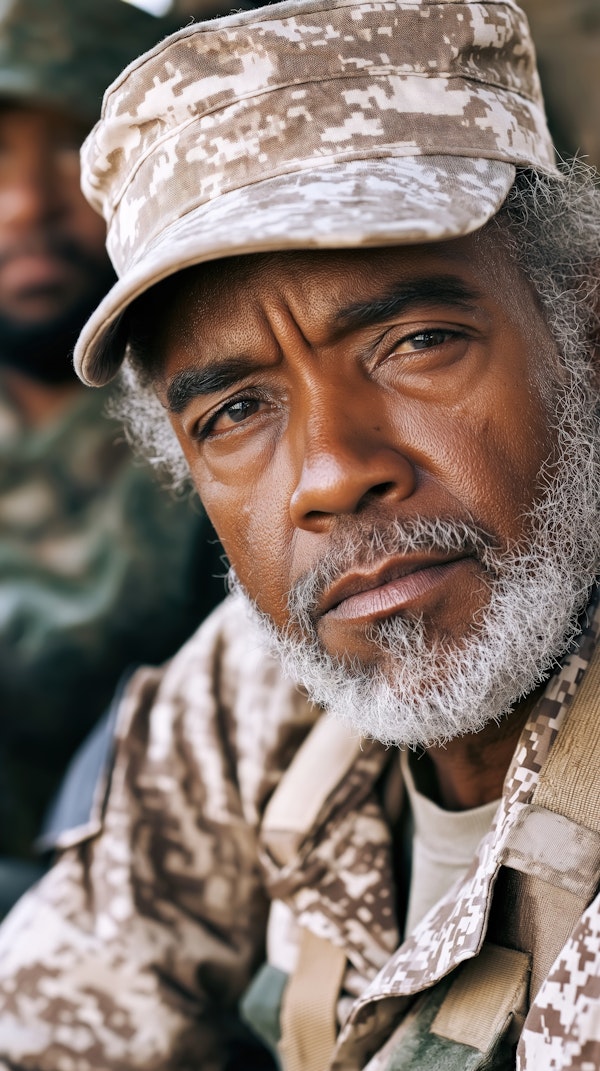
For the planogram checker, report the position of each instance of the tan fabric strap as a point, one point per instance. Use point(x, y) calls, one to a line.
point(535, 916)
point(569, 780)
point(488, 990)
point(308, 1011)
point(555, 849)
point(319, 765)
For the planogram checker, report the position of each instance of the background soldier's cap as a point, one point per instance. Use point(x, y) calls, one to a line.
point(311, 123)
point(64, 53)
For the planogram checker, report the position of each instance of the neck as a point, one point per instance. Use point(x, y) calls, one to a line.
point(470, 770)
point(39, 403)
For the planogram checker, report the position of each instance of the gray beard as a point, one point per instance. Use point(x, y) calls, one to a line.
point(422, 692)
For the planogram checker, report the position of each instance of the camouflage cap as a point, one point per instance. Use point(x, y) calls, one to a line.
point(64, 53)
point(308, 124)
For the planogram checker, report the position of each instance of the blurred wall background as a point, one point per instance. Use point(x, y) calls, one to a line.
point(567, 37)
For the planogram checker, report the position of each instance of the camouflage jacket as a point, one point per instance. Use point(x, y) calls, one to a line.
point(135, 949)
point(99, 569)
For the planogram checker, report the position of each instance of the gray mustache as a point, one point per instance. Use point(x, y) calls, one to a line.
point(369, 545)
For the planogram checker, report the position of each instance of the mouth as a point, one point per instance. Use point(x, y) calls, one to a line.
point(31, 272)
point(399, 585)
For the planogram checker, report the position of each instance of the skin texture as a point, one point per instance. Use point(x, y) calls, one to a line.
point(314, 418)
point(52, 255)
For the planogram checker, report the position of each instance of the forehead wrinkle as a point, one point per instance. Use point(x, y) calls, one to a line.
point(278, 318)
point(284, 325)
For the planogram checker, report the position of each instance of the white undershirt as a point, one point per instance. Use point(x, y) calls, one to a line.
point(443, 846)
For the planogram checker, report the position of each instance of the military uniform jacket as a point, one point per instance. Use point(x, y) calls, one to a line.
point(136, 948)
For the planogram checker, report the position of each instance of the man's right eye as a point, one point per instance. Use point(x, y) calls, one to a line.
point(229, 416)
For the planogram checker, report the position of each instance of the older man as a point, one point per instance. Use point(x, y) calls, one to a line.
point(357, 303)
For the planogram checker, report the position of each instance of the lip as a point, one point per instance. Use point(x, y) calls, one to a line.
point(388, 590)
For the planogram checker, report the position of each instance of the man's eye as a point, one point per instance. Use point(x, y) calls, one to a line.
point(240, 410)
point(424, 340)
point(233, 413)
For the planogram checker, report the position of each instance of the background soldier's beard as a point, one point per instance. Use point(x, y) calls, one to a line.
point(425, 691)
point(43, 348)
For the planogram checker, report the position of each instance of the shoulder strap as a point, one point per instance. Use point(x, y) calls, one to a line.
point(568, 783)
point(550, 871)
point(309, 1006)
point(324, 758)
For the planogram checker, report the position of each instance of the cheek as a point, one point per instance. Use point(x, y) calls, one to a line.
point(508, 438)
point(252, 522)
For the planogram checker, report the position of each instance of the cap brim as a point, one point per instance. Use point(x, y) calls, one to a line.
point(360, 203)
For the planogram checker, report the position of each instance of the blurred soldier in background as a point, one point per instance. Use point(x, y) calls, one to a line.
point(99, 568)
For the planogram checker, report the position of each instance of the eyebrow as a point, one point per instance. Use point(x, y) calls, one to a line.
point(421, 293)
point(215, 377)
point(221, 375)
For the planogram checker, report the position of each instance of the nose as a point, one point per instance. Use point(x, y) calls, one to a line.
point(348, 457)
point(30, 193)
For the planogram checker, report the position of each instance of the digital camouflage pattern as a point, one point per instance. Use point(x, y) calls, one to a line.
point(307, 124)
point(134, 950)
point(64, 53)
point(99, 570)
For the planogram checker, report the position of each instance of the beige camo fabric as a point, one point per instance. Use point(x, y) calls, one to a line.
point(309, 123)
point(255, 102)
point(131, 951)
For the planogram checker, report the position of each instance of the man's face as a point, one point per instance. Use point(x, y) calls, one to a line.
point(370, 431)
point(53, 264)
point(317, 394)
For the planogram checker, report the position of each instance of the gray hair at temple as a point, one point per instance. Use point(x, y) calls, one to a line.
point(550, 225)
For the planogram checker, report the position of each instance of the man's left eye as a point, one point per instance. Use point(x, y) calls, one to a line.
point(240, 410)
point(425, 340)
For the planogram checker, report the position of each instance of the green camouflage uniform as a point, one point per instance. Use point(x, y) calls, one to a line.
point(64, 53)
point(99, 569)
